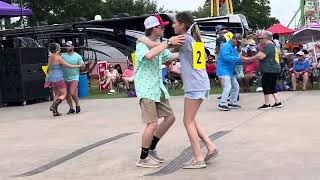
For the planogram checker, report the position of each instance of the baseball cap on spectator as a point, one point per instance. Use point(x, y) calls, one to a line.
point(69, 44)
point(267, 34)
point(238, 37)
point(219, 28)
point(154, 21)
point(259, 36)
point(300, 53)
point(251, 42)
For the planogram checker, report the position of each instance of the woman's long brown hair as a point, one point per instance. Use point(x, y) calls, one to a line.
point(187, 19)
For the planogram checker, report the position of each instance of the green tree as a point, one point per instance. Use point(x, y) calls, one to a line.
point(132, 7)
point(257, 12)
point(204, 11)
point(63, 11)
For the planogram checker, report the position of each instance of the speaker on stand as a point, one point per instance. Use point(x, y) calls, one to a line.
point(22, 78)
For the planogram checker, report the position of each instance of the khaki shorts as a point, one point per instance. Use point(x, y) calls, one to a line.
point(152, 111)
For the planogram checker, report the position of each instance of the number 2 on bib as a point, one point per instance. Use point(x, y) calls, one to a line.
point(198, 55)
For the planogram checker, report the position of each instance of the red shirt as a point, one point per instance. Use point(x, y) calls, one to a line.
point(250, 68)
point(211, 68)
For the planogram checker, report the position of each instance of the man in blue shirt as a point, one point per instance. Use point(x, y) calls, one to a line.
point(227, 61)
point(300, 71)
point(71, 77)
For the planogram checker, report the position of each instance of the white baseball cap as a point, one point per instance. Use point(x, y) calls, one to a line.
point(251, 42)
point(154, 21)
point(300, 53)
point(69, 43)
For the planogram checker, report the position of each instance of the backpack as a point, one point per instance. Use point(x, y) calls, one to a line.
point(132, 93)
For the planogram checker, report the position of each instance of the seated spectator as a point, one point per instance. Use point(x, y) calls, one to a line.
point(118, 68)
point(300, 71)
point(249, 68)
point(175, 70)
point(111, 78)
point(211, 68)
point(128, 76)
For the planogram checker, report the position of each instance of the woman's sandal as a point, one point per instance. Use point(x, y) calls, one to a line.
point(211, 155)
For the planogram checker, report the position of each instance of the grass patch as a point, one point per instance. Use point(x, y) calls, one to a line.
point(94, 93)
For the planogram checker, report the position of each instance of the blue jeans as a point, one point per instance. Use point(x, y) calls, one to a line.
point(230, 87)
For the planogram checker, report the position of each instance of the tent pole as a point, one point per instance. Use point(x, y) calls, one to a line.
point(21, 15)
point(314, 50)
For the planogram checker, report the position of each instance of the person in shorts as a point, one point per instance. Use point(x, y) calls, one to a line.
point(196, 88)
point(300, 71)
point(55, 78)
point(128, 76)
point(71, 77)
point(151, 92)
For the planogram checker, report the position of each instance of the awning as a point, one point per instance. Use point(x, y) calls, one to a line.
point(8, 10)
point(280, 29)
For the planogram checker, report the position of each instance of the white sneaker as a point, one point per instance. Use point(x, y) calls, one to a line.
point(155, 156)
point(112, 91)
point(259, 89)
point(195, 165)
point(147, 163)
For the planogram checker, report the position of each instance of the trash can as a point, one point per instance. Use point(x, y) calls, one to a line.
point(83, 90)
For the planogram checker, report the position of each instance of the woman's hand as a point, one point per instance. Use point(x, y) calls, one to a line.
point(177, 40)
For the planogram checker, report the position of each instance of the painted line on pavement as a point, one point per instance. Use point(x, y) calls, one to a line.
point(184, 157)
point(71, 155)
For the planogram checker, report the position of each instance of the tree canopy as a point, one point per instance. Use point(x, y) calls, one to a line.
point(257, 12)
point(62, 11)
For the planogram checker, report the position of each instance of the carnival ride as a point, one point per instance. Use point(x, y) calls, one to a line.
point(308, 12)
point(221, 7)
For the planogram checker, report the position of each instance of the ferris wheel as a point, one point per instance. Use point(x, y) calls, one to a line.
point(309, 11)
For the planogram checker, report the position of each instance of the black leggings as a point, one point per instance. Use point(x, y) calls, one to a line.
point(269, 82)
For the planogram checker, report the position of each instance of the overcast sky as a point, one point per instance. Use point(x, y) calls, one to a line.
point(281, 9)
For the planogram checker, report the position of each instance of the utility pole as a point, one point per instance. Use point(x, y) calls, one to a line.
point(212, 7)
point(22, 18)
point(302, 20)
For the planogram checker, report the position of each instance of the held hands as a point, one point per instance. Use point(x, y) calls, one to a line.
point(244, 59)
point(82, 66)
point(177, 40)
point(78, 66)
